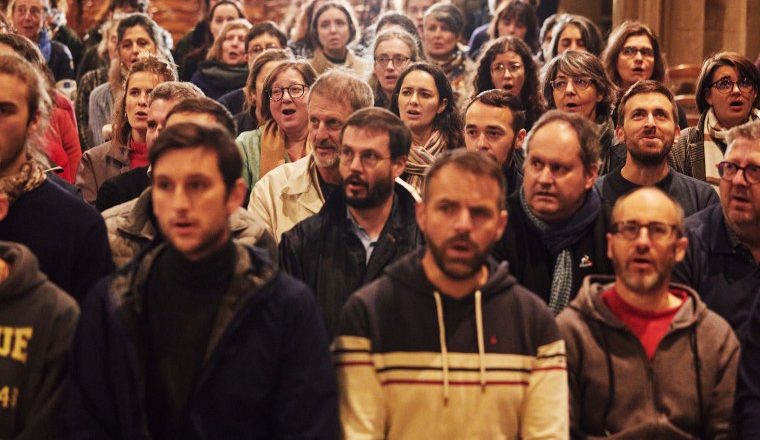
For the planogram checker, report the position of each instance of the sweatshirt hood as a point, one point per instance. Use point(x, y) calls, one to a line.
point(589, 303)
point(24, 273)
point(409, 273)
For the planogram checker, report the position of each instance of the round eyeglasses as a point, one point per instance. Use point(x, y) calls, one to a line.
point(295, 91)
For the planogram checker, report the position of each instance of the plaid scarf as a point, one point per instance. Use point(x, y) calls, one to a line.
point(715, 143)
point(30, 176)
point(421, 158)
point(559, 238)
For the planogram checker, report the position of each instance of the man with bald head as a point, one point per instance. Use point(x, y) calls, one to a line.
point(644, 355)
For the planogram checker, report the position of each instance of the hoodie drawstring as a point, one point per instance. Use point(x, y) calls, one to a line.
point(444, 350)
point(481, 344)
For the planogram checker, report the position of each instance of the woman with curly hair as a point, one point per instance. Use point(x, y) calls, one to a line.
point(508, 65)
point(424, 100)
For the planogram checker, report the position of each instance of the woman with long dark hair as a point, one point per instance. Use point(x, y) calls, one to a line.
point(424, 100)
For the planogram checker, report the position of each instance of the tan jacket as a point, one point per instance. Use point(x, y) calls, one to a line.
point(130, 229)
point(98, 165)
point(289, 194)
point(286, 195)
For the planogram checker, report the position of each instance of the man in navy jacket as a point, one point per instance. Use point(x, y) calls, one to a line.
point(200, 336)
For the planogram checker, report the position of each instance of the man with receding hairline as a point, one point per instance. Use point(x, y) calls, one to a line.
point(645, 357)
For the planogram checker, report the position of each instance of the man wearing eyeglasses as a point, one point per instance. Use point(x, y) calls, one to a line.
point(645, 356)
point(363, 226)
point(647, 122)
point(556, 232)
point(724, 240)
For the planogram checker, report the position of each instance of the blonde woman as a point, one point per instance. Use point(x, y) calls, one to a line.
point(226, 65)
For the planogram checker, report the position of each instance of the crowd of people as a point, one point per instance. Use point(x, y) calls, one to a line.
point(428, 227)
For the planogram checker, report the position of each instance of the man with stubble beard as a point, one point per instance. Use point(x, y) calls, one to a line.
point(647, 123)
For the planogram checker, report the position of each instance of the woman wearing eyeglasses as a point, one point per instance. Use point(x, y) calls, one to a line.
point(282, 135)
point(507, 64)
point(633, 54)
point(727, 96)
point(576, 82)
point(394, 50)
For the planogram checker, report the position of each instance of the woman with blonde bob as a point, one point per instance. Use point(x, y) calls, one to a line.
point(226, 65)
point(128, 149)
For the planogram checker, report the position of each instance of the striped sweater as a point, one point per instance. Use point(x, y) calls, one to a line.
point(415, 363)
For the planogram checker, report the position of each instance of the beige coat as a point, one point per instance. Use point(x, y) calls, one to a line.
point(130, 230)
point(98, 165)
point(286, 195)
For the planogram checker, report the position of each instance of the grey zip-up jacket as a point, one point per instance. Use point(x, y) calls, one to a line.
point(686, 391)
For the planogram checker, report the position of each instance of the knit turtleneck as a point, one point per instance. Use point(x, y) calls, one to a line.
point(182, 299)
point(138, 154)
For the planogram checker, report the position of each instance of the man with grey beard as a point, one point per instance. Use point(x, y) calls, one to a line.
point(645, 356)
point(364, 225)
point(295, 191)
point(647, 122)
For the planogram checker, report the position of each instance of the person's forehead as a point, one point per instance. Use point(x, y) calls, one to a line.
point(646, 206)
point(322, 107)
point(187, 162)
point(744, 149)
point(135, 32)
point(638, 41)
point(481, 114)
point(203, 119)
point(266, 37)
point(556, 139)
point(454, 184)
point(13, 90)
point(38, 3)
point(363, 139)
point(648, 101)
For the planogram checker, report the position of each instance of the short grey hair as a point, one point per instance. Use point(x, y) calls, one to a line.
point(174, 90)
point(341, 85)
point(587, 132)
point(749, 131)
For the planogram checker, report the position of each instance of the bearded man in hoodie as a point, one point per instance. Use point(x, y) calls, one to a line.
point(645, 357)
point(446, 344)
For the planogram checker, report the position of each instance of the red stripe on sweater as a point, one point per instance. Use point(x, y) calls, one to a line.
point(453, 382)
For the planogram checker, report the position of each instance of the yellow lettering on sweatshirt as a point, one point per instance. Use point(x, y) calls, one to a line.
point(14, 342)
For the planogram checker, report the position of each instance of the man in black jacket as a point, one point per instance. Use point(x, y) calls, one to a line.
point(365, 225)
point(557, 226)
point(200, 336)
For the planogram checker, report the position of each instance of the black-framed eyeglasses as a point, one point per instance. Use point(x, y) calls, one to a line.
point(500, 68)
point(631, 51)
point(657, 231)
point(725, 85)
point(579, 82)
point(368, 159)
point(295, 91)
point(397, 60)
point(727, 171)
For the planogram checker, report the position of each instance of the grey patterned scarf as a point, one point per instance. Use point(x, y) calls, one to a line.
point(559, 239)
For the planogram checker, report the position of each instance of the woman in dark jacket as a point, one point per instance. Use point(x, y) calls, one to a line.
point(226, 67)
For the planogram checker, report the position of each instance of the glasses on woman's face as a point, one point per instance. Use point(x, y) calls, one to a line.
point(579, 82)
point(295, 91)
point(500, 68)
point(398, 61)
point(725, 85)
point(258, 49)
point(631, 51)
